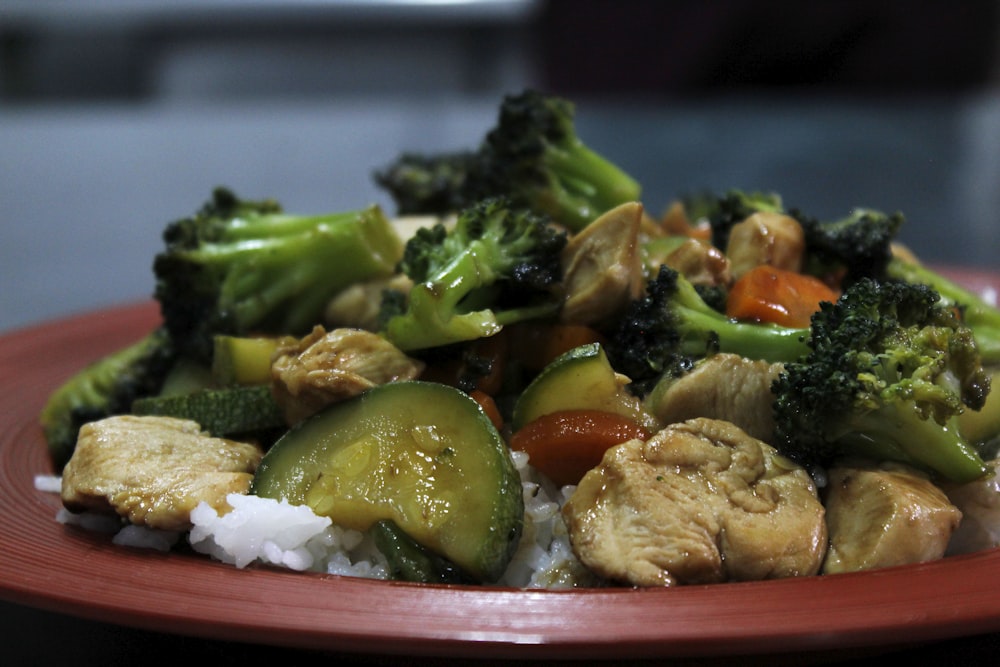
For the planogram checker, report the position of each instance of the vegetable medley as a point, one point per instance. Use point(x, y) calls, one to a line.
point(728, 390)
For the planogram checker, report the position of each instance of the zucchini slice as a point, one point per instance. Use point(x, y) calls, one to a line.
point(222, 412)
point(578, 379)
point(422, 455)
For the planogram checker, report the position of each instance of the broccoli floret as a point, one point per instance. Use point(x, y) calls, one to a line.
point(671, 326)
point(533, 157)
point(242, 267)
point(106, 387)
point(856, 246)
point(496, 266)
point(978, 314)
point(428, 184)
point(722, 211)
point(888, 372)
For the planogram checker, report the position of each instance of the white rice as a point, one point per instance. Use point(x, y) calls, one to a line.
point(543, 558)
point(101, 523)
point(48, 483)
point(146, 538)
point(277, 533)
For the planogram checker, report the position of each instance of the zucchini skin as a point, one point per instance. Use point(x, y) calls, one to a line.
point(222, 412)
point(409, 561)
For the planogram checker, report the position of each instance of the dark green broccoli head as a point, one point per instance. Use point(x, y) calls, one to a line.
point(535, 157)
point(522, 248)
point(190, 281)
point(428, 184)
point(856, 246)
point(532, 156)
point(889, 370)
point(976, 312)
point(427, 252)
point(496, 266)
point(212, 223)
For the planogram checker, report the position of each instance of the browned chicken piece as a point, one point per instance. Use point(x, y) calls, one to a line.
point(724, 386)
point(602, 266)
point(880, 516)
point(357, 306)
point(154, 470)
point(768, 238)
point(327, 367)
point(700, 263)
point(699, 502)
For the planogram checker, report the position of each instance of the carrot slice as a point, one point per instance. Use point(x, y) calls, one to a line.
point(777, 296)
point(564, 445)
point(489, 406)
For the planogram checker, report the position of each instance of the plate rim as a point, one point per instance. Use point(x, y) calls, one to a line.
point(896, 606)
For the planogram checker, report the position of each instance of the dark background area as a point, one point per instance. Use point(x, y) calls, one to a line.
point(59, 52)
point(724, 46)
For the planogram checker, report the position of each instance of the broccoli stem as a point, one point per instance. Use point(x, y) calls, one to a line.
point(436, 325)
point(766, 342)
point(897, 432)
point(700, 324)
point(591, 185)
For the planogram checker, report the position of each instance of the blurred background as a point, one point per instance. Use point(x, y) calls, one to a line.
point(117, 116)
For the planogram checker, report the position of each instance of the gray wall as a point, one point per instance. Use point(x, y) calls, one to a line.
point(102, 146)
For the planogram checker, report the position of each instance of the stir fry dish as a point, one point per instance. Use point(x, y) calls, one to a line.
point(524, 376)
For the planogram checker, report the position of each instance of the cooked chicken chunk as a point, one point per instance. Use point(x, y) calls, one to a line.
point(154, 470)
point(700, 263)
point(327, 367)
point(699, 502)
point(766, 238)
point(724, 386)
point(879, 516)
point(602, 266)
point(979, 503)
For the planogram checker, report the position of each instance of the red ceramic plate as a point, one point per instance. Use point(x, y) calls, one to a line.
point(49, 566)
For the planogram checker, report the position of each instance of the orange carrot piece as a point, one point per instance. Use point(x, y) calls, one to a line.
point(778, 296)
point(564, 445)
point(489, 406)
